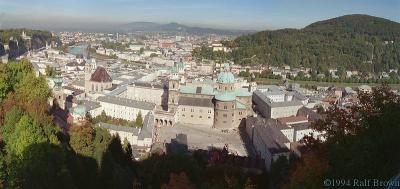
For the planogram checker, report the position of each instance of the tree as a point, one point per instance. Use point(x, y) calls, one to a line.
point(33, 88)
point(178, 181)
point(127, 149)
point(81, 139)
point(139, 119)
point(50, 72)
point(27, 132)
point(348, 151)
point(101, 141)
point(249, 184)
point(3, 169)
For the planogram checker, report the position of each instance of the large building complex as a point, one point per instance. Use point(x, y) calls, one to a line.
point(273, 102)
point(219, 105)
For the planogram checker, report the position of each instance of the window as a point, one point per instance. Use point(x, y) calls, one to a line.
point(233, 106)
point(183, 115)
point(191, 110)
point(224, 121)
point(191, 116)
point(225, 107)
point(224, 115)
point(209, 117)
point(183, 109)
point(200, 117)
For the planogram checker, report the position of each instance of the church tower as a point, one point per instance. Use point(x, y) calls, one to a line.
point(88, 75)
point(173, 93)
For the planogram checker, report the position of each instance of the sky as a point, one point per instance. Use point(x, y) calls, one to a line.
point(227, 14)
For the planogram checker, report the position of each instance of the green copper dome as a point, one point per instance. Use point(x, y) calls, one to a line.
point(225, 96)
point(226, 77)
point(80, 110)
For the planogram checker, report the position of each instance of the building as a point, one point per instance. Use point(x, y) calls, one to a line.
point(142, 137)
point(364, 89)
point(124, 108)
point(156, 93)
point(219, 105)
point(269, 142)
point(98, 81)
point(273, 102)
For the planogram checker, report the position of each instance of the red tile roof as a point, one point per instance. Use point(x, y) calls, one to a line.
point(292, 119)
point(100, 75)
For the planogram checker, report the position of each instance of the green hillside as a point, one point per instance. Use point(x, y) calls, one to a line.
point(361, 42)
point(38, 40)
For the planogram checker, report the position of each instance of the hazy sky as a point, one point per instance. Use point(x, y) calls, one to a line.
point(238, 14)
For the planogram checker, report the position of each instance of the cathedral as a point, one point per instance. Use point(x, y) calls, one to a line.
point(218, 105)
point(96, 81)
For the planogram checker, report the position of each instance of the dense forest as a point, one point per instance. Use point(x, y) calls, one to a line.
point(18, 46)
point(355, 42)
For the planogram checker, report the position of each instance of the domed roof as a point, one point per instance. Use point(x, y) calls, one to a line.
point(225, 96)
point(80, 110)
point(226, 77)
point(100, 75)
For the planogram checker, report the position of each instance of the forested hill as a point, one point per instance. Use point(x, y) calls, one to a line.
point(18, 46)
point(361, 42)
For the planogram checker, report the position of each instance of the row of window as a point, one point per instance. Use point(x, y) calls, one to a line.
point(225, 121)
point(192, 110)
point(209, 117)
point(226, 107)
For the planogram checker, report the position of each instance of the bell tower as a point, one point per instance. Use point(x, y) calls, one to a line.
point(173, 93)
point(88, 74)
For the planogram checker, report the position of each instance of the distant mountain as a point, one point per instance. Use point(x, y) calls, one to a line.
point(361, 42)
point(178, 28)
point(356, 23)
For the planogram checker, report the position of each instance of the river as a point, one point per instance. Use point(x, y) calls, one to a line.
point(78, 49)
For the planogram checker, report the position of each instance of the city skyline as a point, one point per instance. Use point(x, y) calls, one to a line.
point(224, 14)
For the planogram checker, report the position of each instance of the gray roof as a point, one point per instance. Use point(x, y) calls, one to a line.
point(76, 91)
point(148, 125)
point(301, 126)
point(117, 91)
point(90, 105)
point(190, 101)
point(79, 83)
point(149, 84)
point(133, 130)
point(127, 102)
point(261, 95)
point(274, 140)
